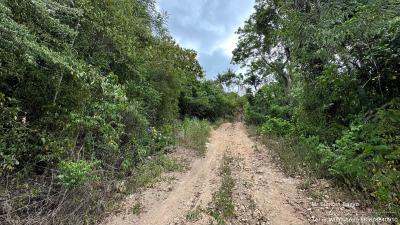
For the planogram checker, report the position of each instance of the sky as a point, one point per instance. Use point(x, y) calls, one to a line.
point(207, 26)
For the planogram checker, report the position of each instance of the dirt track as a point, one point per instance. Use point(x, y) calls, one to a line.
point(262, 194)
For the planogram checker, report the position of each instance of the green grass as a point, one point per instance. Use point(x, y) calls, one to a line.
point(223, 203)
point(288, 152)
point(136, 208)
point(194, 215)
point(194, 135)
point(149, 171)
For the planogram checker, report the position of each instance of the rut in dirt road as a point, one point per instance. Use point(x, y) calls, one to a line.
point(261, 194)
point(191, 190)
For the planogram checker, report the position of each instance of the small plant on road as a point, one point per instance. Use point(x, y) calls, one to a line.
point(136, 208)
point(195, 214)
point(223, 203)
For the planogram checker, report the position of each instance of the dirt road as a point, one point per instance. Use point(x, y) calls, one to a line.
point(261, 195)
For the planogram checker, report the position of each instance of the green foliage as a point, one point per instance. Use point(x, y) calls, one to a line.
point(331, 68)
point(369, 155)
point(327, 105)
point(319, 156)
point(152, 142)
point(74, 86)
point(73, 174)
point(207, 100)
point(365, 156)
point(269, 100)
point(275, 126)
point(86, 80)
point(149, 170)
point(253, 117)
point(14, 137)
point(194, 134)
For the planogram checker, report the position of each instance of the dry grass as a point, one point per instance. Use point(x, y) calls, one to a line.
point(194, 135)
point(42, 200)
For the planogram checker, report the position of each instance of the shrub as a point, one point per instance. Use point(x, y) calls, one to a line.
point(369, 156)
point(319, 156)
point(18, 143)
point(366, 157)
point(253, 117)
point(270, 100)
point(275, 126)
point(194, 134)
point(73, 174)
point(153, 141)
point(148, 171)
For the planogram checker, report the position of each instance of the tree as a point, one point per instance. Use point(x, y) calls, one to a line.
point(336, 66)
point(226, 79)
point(254, 81)
point(261, 45)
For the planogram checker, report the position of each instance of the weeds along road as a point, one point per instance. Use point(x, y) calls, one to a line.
point(261, 194)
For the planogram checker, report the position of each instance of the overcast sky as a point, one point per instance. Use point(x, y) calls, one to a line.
point(207, 26)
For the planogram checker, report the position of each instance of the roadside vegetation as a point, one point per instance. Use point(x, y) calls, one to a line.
point(149, 171)
point(194, 135)
point(91, 97)
point(324, 91)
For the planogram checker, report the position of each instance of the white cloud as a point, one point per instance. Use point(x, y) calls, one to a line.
point(208, 26)
point(230, 44)
point(188, 43)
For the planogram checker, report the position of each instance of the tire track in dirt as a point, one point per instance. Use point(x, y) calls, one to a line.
point(263, 195)
point(191, 190)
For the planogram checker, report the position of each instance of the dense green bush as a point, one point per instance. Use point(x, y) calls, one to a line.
point(369, 154)
point(366, 156)
point(84, 81)
point(14, 136)
point(331, 69)
point(269, 100)
point(253, 117)
point(207, 100)
point(73, 174)
point(149, 170)
point(275, 126)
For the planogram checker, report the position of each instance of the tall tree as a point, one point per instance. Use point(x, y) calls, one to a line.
point(262, 47)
